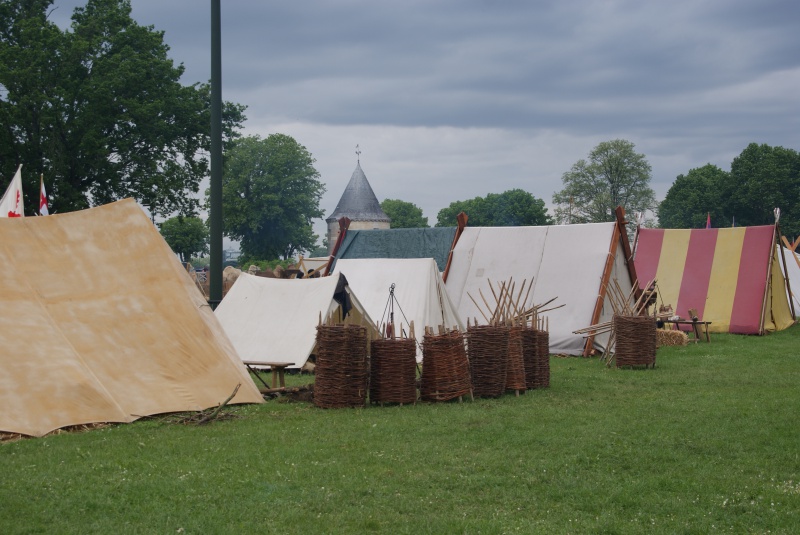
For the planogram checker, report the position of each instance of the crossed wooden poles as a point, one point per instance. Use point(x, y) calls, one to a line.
point(623, 305)
point(509, 306)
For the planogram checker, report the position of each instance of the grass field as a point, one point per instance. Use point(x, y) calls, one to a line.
point(708, 441)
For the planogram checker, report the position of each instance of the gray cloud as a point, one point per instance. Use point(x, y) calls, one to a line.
point(442, 94)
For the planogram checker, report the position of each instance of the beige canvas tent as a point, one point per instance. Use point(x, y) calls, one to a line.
point(100, 323)
point(275, 320)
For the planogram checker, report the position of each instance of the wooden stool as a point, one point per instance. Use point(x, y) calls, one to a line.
point(277, 369)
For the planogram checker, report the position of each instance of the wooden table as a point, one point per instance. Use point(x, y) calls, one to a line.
point(277, 369)
point(698, 328)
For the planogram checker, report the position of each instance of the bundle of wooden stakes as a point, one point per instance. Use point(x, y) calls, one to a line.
point(510, 310)
point(511, 351)
point(624, 305)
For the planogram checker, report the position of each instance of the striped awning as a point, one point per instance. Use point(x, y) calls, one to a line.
point(730, 275)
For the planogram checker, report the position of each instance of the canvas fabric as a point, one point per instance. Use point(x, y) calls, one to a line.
point(566, 262)
point(432, 242)
point(100, 323)
point(419, 294)
point(275, 320)
point(727, 274)
point(793, 271)
point(12, 202)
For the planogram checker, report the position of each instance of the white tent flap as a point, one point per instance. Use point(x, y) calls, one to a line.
point(275, 320)
point(566, 262)
point(420, 295)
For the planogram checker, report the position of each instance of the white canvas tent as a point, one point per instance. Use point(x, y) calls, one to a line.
point(792, 272)
point(275, 320)
point(100, 323)
point(569, 262)
point(418, 289)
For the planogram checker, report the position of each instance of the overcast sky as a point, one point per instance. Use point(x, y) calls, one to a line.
point(453, 99)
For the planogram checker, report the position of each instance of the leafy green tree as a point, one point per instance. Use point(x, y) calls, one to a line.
point(692, 197)
point(511, 208)
point(763, 178)
point(318, 252)
point(270, 195)
point(476, 210)
point(187, 236)
point(99, 110)
point(614, 175)
point(404, 214)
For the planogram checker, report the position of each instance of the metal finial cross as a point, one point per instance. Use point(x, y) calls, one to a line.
point(358, 153)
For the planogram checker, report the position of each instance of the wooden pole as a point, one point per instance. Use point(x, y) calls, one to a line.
point(598, 306)
point(461, 222)
point(769, 277)
point(786, 273)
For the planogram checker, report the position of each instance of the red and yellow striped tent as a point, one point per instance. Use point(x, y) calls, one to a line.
point(732, 276)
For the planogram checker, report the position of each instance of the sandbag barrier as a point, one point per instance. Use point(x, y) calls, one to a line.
point(393, 371)
point(445, 368)
point(635, 341)
point(342, 366)
point(487, 349)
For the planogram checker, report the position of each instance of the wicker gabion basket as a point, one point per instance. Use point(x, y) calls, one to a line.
point(342, 366)
point(536, 358)
point(487, 349)
point(515, 368)
point(543, 361)
point(635, 341)
point(445, 368)
point(393, 371)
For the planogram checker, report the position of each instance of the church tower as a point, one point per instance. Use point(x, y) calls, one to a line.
point(360, 205)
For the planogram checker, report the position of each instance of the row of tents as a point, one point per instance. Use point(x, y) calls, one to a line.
point(100, 322)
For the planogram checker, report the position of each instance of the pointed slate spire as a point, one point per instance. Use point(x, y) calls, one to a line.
point(358, 201)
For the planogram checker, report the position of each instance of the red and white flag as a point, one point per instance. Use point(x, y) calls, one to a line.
point(11, 203)
point(42, 198)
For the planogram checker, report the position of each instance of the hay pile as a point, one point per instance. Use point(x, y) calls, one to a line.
point(671, 338)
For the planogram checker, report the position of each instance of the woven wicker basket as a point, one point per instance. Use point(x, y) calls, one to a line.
point(536, 358)
point(342, 366)
point(445, 368)
point(393, 371)
point(487, 349)
point(635, 341)
point(515, 369)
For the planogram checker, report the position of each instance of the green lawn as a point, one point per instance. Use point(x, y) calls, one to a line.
point(708, 441)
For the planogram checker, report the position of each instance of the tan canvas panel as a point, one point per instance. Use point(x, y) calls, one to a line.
point(100, 323)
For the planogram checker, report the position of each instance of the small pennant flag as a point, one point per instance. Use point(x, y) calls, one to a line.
point(42, 198)
point(11, 203)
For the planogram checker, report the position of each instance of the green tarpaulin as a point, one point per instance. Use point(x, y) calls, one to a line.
point(399, 243)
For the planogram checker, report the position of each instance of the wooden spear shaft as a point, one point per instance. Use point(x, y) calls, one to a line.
point(479, 308)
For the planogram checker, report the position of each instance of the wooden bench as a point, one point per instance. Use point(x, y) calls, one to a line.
point(277, 369)
point(697, 327)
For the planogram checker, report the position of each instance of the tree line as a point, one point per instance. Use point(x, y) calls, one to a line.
point(99, 110)
point(761, 179)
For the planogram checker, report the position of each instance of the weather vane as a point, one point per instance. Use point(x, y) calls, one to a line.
point(358, 153)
